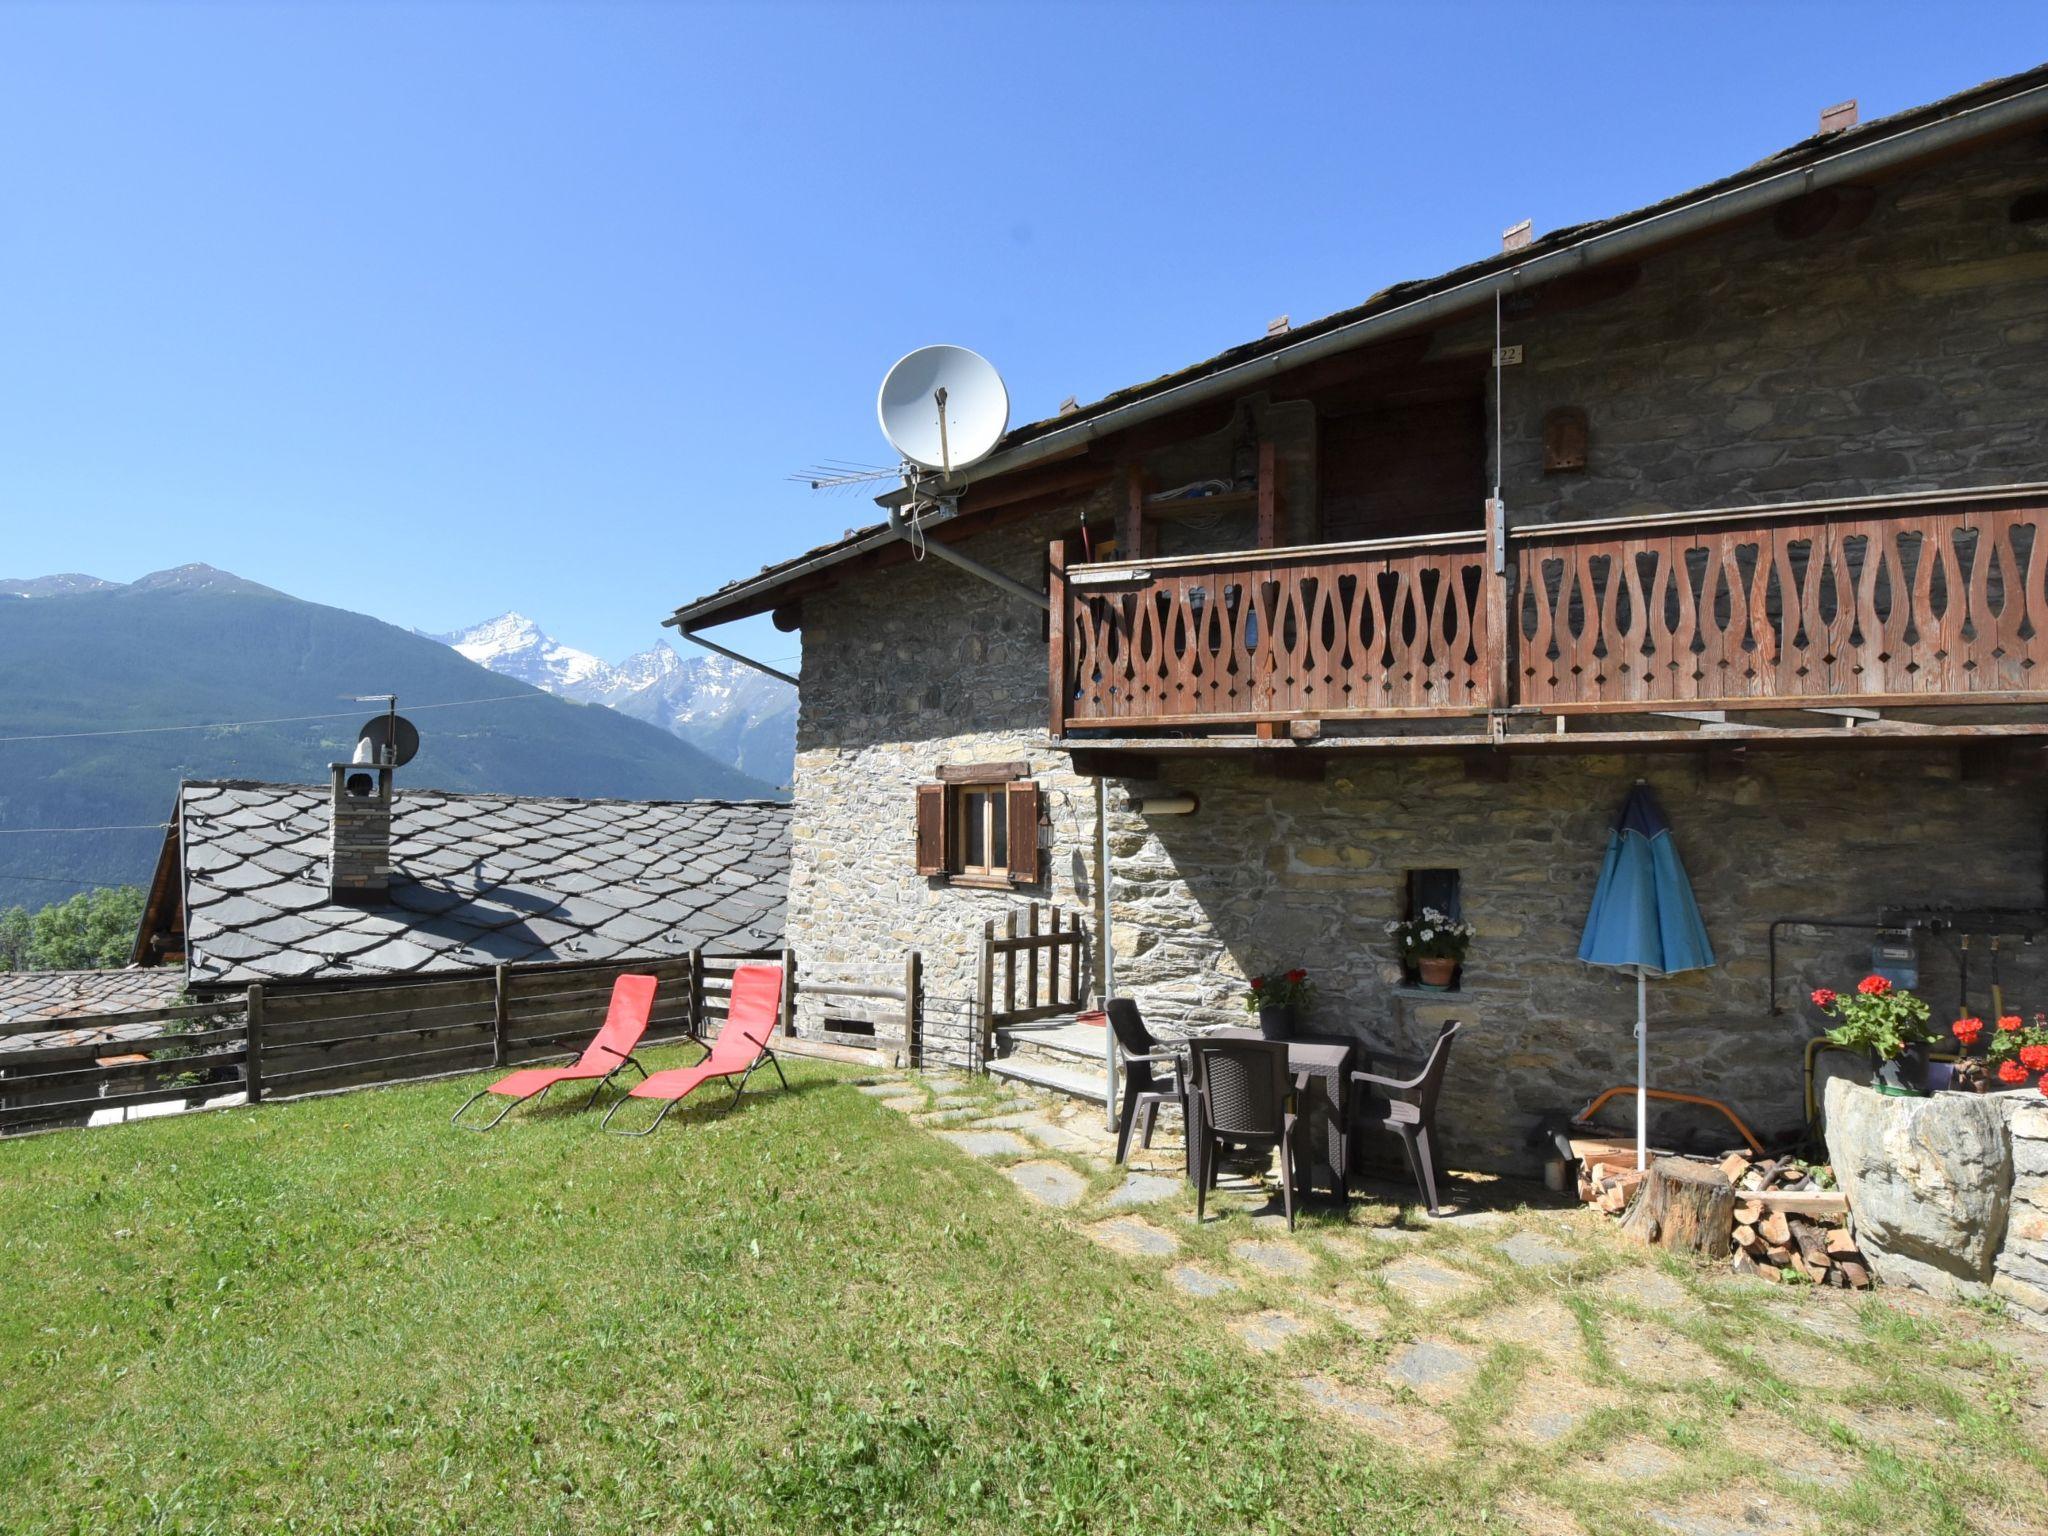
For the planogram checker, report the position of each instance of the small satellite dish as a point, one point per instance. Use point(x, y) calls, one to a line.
point(392, 740)
point(943, 408)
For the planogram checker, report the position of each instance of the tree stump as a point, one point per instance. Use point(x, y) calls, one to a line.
point(1685, 1205)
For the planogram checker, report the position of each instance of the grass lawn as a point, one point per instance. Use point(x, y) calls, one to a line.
point(817, 1314)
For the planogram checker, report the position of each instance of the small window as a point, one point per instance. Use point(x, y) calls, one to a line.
point(984, 839)
point(1434, 890)
point(979, 831)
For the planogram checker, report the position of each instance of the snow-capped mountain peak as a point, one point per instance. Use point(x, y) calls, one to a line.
point(514, 646)
point(734, 713)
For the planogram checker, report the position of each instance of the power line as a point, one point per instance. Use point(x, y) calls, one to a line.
point(140, 826)
point(229, 725)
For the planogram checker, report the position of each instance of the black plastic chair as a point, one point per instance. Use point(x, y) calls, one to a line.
point(1243, 1096)
point(1143, 1092)
point(1407, 1107)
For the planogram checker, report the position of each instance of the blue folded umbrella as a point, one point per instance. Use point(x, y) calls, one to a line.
point(1644, 920)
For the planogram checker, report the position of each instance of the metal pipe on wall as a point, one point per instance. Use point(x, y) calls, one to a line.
point(1102, 930)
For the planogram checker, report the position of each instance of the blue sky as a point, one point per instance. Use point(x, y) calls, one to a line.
point(435, 310)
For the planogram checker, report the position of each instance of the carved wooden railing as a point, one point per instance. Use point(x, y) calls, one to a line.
point(1330, 632)
point(1894, 601)
point(1904, 606)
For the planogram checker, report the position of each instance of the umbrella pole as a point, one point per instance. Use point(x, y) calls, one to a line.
point(1642, 1071)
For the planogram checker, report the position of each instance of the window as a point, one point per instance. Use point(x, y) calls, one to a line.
point(1434, 890)
point(979, 825)
point(984, 835)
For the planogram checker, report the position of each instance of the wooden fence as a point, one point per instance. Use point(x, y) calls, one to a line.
point(1051, 970)
point(268, 1044)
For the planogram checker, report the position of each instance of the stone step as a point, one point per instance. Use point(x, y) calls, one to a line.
point(1059, 1046)
point(1073, 1081)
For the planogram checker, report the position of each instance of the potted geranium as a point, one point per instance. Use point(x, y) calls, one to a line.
point(1433, 945)
point(1279, 1001)
point(1887, 1024)
point(2015, 1055)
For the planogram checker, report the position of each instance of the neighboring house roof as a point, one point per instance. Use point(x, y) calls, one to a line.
point(478, 880)
point(2014, 95)
point(33, 997)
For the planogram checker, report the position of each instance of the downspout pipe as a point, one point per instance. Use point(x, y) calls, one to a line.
point(1656, 229)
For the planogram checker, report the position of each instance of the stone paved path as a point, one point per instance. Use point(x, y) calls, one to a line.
point(1580, 1384)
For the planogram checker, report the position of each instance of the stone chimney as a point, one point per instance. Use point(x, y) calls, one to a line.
point(359, 838)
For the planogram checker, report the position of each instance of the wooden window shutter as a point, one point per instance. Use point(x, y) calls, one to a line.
point(1020, 802)
point(933, 824)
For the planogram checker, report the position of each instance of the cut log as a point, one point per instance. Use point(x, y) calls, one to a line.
point(1776, 1229)
point(1734, 1166)
point(1749, 1212)
point(1686, 1206)
point(1855, 1273)
point(1811, 1248)
point(1840, 1243)
point(1748, 1240)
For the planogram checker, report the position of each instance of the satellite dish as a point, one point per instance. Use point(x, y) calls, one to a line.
point(943, 408)
point(391, 740)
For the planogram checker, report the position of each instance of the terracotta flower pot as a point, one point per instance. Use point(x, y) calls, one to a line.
point(1436, 972)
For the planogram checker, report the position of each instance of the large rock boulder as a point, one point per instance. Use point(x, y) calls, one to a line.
point(1929, 1182)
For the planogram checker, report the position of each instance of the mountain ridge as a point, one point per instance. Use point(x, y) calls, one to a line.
point(729, 711)
point(114, 678)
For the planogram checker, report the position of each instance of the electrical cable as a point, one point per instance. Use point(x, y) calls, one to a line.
point(230, 725)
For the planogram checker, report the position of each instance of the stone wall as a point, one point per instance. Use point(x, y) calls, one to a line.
point(1910, 353)
point(1903, 355)
point(2022, 1271)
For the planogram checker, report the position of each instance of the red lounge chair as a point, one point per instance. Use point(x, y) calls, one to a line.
point(609, 1053)
point(740, 1047)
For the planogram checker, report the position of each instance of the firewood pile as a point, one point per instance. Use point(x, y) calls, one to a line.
point(1786, 1221)
point(1607, 1172)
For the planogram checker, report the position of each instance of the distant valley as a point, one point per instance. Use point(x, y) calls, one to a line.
point(92, 671)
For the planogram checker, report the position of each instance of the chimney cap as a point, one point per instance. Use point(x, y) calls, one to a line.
point(1841, 115)
point(1515, 236)
point(1279, 325)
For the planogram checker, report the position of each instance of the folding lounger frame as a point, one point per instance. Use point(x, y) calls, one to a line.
point(542, 1092)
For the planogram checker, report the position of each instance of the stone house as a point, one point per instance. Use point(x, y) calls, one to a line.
point(1737, 494)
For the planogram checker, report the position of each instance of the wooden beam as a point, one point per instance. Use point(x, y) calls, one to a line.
point(1304, 730)
point(1269, 495)
point(1130, 530)
point(984, 773)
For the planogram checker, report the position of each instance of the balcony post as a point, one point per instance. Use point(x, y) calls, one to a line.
point(1496, 584)
point(1056, 634)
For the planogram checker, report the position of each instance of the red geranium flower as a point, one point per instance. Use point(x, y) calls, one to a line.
point(1823, 997)
point(2034, 1057)
point(1967, 1030)
point(1258, 981)
point(2011, 1072)
point(1874, 986)
point(1297, 976)
point(2009, 1022)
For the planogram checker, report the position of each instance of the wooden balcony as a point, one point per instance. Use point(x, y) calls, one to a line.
point(1900, 602)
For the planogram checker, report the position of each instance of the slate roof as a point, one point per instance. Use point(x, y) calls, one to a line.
point(478, 880)
point(30, 997)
